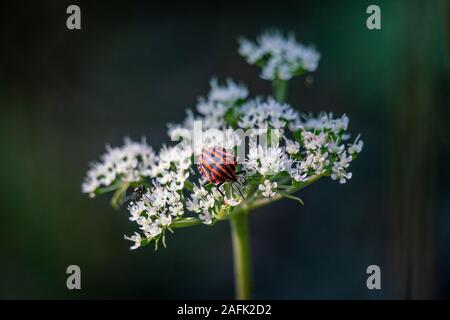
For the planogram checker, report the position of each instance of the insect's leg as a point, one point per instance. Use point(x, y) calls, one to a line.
point(243, 172)
point(239, 183)
point(239, 190)
point(218, 188)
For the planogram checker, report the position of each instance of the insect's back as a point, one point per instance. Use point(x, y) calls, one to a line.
point(217, 165)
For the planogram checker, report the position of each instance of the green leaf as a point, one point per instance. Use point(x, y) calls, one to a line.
point(145, 242)
point(185, 222)
point(254, 179)
point(298, 136)
point(156, 242)
point(290, 196)
point(113, 187)
point(188, 185)
point(279, 176)
point(163, 238)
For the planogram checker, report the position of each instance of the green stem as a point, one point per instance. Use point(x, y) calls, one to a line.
point(241, 255)
point(279, 89)
point(186, 222)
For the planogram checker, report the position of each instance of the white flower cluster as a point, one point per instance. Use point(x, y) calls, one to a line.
point(153, 213)
point(267, 161)
point(209, 204)
point(213, 108)
point(297, 148)
point(172, 167)
point(129, 163)
point(325, 151)
point(279, 57)
point(265, 114)
point(154, 210)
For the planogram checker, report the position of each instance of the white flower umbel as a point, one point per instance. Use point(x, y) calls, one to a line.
point(256, 114)
point(228, 94)
point(212, 108)
point(130, 163)
point(279, 57)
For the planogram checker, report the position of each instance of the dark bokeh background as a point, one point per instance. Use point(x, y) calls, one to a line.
point(135, 66)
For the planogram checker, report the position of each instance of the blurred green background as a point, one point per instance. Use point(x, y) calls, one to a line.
point(134, 66)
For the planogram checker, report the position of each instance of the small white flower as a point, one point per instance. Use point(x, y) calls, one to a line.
point(193, 204)
point(298, 175)
point(158, 196)
point(313, 141)
point(232, 202)
point(165, 220)
point(144, 223)
point(205, 217)
point(153, 231)
point(339, 168)
point(356, 147)
point(267, 188)
point(207, 202)
point(292, 147)
point(335, 148)
point(177, 209)
point(200, 192)
point(136, 209)
point(136, 238)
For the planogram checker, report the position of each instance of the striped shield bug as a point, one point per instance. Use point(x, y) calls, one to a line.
point(218, 166)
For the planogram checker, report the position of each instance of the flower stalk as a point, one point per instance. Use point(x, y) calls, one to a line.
point(241, 255)
point(280, 89)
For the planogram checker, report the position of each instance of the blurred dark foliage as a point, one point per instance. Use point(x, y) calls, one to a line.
point(135, 66)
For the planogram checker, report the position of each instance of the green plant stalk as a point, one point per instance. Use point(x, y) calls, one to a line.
point(279, 88)
point(241, 255)
point(240, 235)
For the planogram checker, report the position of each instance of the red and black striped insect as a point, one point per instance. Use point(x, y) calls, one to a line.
point(218, 166)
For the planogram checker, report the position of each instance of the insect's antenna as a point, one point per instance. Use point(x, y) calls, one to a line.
point(238, 190)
